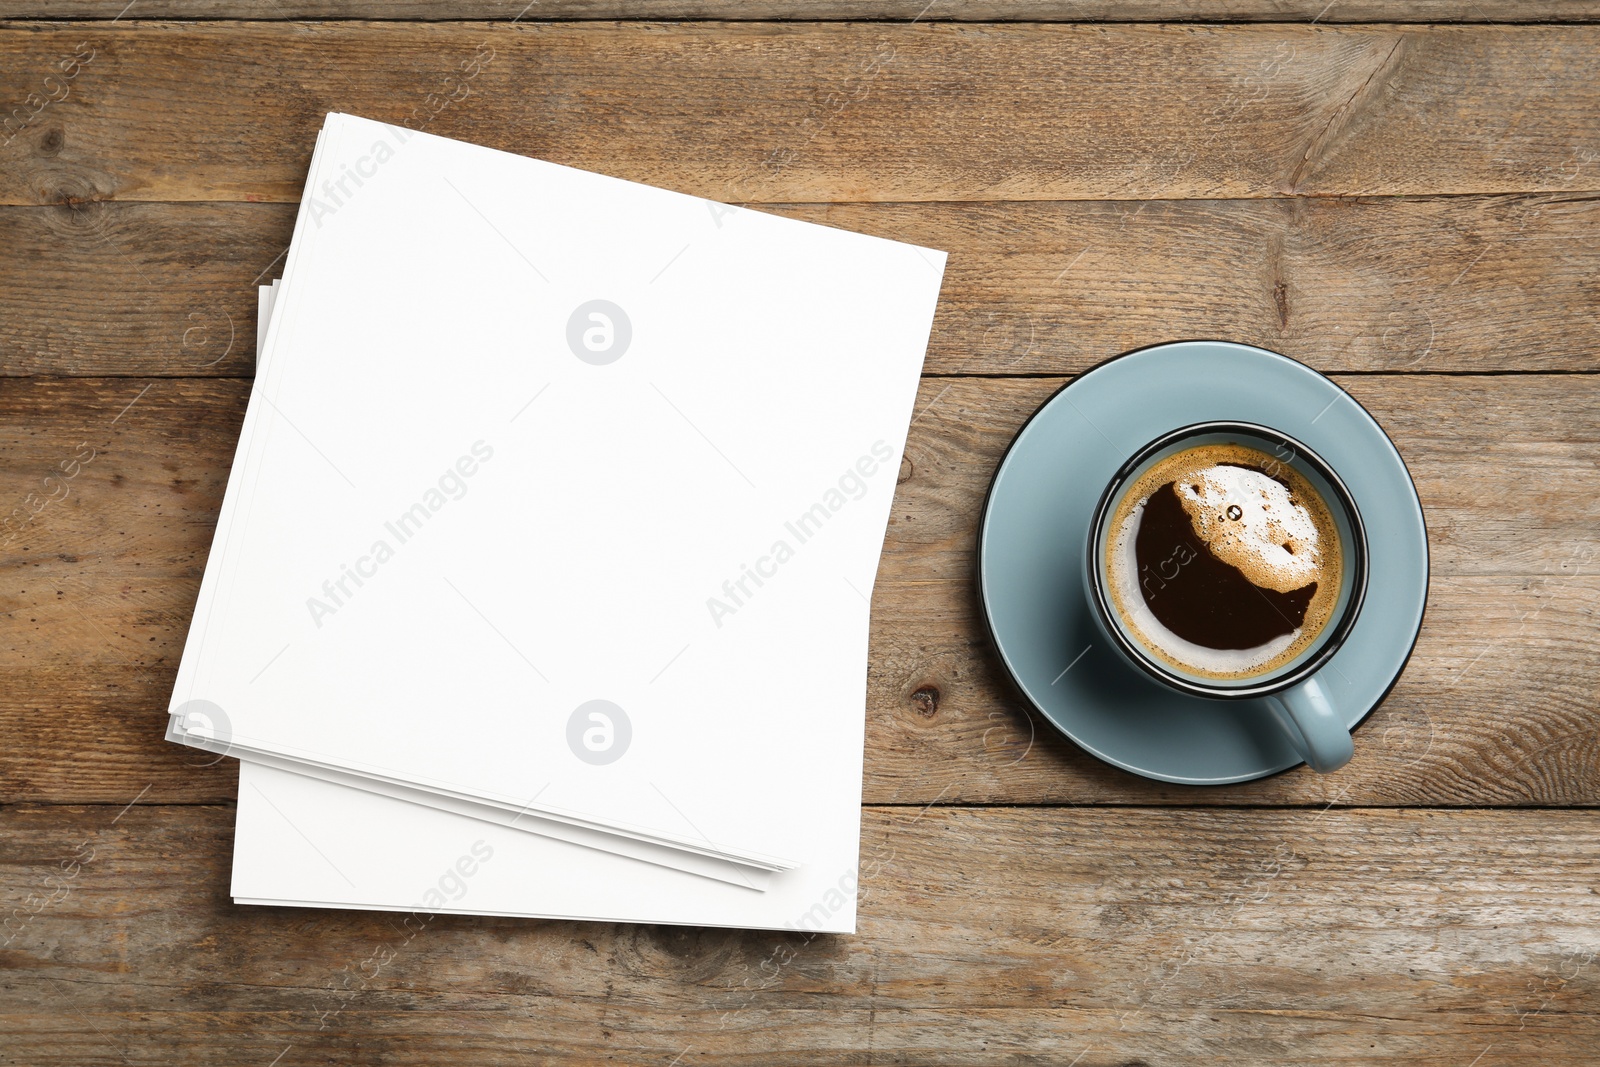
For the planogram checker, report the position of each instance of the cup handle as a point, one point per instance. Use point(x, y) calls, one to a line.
point(1314, 728)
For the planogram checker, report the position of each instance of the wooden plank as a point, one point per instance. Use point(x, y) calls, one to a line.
point(129, 288)
point(1393, 284)
point(1320, 11)
point(813, 112)
point(986, 937)
point(1497, 706)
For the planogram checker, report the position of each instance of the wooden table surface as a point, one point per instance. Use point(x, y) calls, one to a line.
point(1401, 195)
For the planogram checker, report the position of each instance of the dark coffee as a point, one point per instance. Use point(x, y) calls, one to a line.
point(1223, 561)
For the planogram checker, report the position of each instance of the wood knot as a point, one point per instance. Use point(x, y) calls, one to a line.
point(74, 202)
point(702, 954)
point(907, 469)
point(79, 208)
point(75, 192)
point(53, 141)
point(927, 700)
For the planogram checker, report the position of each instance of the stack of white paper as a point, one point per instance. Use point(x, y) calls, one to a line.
point(541, 582)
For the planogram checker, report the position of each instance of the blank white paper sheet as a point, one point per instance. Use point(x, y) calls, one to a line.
point(555, 518)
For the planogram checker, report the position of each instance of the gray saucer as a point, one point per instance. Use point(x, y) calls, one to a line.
point(1035, 523)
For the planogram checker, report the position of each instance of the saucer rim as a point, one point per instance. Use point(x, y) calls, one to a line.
point(1005, 661)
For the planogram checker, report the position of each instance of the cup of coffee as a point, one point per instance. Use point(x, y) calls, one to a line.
point(1227, 560)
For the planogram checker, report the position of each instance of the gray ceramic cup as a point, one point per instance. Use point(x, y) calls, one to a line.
point(1294, 696)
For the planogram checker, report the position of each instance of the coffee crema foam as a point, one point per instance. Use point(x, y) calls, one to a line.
point(1241, 554)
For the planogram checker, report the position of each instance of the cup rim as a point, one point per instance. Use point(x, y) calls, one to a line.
point(1099, 598)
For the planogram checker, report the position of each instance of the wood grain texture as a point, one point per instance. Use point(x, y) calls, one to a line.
point(1320, 11)
point(1498, 705)
point(986, 937)
point(1391, 284)
point(1368, 198)
point(820, 112)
